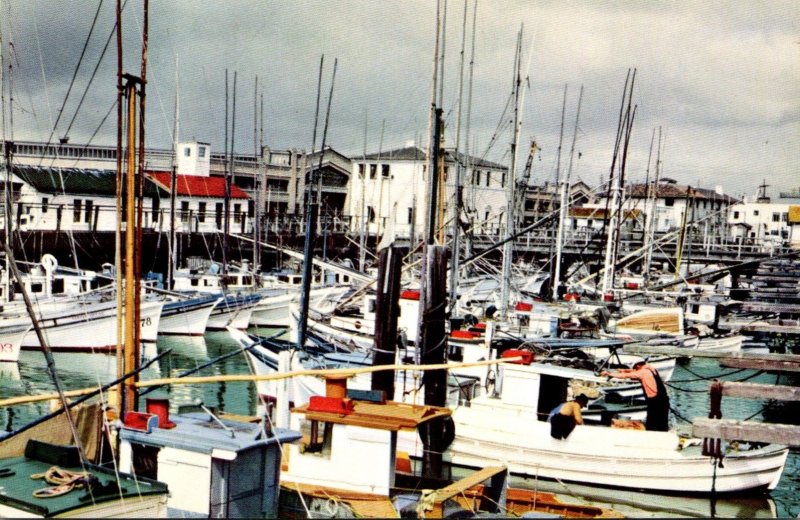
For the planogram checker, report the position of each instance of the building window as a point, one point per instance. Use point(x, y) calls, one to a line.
point(476, 178)
point(410, 215)
point(76, 210)
point(784, 217)
point(488, 178)
point(755, 212)
point(370, 214)
point(218, 215)
point(187, 152)
point(184, 211)
point(237, 213)
point(776, 217)
point(735, 215)
point(156, 208)
point(202, 151)
point(385, 171)
point(45, 202)
point(373, 171)
point(669, 202)
point(88, 212)
point(201, 211)
point(503, 180)
point(361, 171)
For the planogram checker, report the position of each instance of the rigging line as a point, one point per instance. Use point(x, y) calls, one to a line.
point(75, 74)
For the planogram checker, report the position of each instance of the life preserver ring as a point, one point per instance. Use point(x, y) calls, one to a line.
point(49, 262)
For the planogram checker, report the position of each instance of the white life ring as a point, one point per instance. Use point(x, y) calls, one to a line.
point(49, 262)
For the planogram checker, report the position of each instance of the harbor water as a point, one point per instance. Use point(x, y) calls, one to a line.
point(688, 392)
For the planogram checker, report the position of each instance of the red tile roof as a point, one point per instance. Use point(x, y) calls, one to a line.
point(197, 186)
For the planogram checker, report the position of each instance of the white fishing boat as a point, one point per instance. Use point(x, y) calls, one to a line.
point(12, 332)
point(88, 326)
point(488, 432)
point(183, 315)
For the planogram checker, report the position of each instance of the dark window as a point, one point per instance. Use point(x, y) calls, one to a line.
point(187, 152)
point(218, 215)
point(156, 208)
point(385, 171)
point(76, 210)
point(88, 212)
point(410, 215)
point(503, 180)
point(45, 202)
point(373, 171)
point(360, 171)
point(776, 217)
point(669, 202)
point(201, 211)
point(488, 178)
point(237, 213)
point(370, 213)
point(736, 215)
point(184, 211)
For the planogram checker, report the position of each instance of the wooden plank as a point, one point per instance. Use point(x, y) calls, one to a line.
point(759, 391)
point(467, 482)
point(640, 349)
point(761, 364)
point(750, 431)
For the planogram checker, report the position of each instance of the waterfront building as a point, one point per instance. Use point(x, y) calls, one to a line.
point(388, 191)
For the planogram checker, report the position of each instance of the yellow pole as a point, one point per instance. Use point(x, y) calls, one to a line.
point(129, 398)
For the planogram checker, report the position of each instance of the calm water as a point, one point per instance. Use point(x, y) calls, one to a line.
point(689, 396)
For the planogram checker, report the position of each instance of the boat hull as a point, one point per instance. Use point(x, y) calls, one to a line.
point(603, 456)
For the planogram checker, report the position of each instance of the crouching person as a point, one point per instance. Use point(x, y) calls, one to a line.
point(565, 416)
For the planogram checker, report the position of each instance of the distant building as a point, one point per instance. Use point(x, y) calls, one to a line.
point(388, 191)
point(761, 218)
point(669, 202)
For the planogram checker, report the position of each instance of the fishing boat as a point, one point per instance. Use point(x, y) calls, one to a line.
point(360, 432)
point(487, 431)
point(12, 332)
point(185, 315)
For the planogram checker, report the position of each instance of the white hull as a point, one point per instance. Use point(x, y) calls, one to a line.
point(721, 344)
point(192, 322)
point(93, 328)
point(223, 317)
point(11, 335)
point(491, 432)
point(273, 311)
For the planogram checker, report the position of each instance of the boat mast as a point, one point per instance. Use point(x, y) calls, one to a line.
point(508, 247)
point(173, 188)
point(565, 201)
point(312, 203)
point(555, 272)
point(257, 202)
point(362, 242)
point(653, 217)
point(459, 188)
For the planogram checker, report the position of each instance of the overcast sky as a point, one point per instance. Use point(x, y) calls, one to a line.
point(721, 79)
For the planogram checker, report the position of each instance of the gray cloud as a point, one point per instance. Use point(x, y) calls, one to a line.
point(722, 78)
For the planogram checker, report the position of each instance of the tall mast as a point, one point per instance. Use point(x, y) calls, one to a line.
point(565, 202)
point(459, 187)
point(362, 242)
point(228, 181)
point(257, 202)
point(312, 203)
point(555, 224)
point(508, 247)
point(173, 188)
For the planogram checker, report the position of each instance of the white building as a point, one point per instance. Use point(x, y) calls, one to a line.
point(668, 202)
point(60, 198)
point(762, 219)
point(388, 191)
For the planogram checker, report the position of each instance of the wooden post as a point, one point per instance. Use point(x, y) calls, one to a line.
point(433, 350)
point(390, 264)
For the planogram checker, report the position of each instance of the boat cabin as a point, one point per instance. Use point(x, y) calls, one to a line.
point(201, 457)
